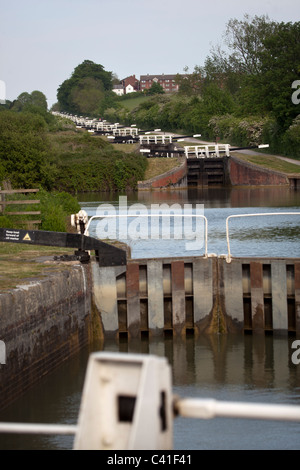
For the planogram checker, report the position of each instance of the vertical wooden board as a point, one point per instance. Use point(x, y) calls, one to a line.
point(202, 288)
point(233, 290)
point(257, 296)
point(178, 295)
point(133, 299)
point(279, 295)
point(105, 296)
point(155, 295)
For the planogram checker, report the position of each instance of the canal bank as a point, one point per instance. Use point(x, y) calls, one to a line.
point(44, 322)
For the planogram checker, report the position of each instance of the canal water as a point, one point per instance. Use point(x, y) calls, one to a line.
point(244, 368)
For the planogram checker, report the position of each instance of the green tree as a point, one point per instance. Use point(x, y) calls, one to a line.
point(245, 42)
point(30, 101)
point(155, 89)
point(23, 149)
point(85, 89)
point(191, 83)
point(87, 94)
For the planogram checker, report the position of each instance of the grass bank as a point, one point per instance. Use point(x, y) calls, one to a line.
point(271, 162)
point(158, 166)
point(21, 263)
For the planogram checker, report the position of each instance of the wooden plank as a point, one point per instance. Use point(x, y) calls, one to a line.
point(257, 297)
point(24, 213)
point(133, 300)
point(178, 297)
point(15, 191)
point(279, 295)
point(30, 222)
point(297, 296)
point(155, 296)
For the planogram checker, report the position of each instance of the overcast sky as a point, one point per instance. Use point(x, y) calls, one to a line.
point(42, 41)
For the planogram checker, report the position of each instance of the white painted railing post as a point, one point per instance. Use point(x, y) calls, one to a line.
point(228, 258)
point(126, 404)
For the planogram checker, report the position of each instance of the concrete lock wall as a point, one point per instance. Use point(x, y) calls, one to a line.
point(42, 324)
point(202, 295)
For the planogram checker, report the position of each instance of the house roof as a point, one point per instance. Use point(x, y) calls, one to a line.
point(159, 77)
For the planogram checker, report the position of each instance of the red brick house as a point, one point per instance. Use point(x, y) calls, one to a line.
point(130, 84)
point(166, 81)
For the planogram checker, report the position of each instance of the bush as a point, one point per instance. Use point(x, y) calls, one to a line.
point(55, 209)
point(291, 139)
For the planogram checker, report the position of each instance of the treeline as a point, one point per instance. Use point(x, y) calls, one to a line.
point(57, 157)
point(48, 153)
point(246, 95)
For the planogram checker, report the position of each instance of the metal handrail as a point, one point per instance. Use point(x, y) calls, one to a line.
point(228, 258)
point(153, 215)
point(205, 408)
point(32, 428)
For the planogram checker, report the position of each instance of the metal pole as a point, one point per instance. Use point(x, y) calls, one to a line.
point(210, 408)
point(28, 428)
point(228, 259)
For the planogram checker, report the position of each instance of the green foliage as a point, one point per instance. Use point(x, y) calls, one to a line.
point(291, 139)
point(6, 222)
point(155, 89)
point(241, 132)
point(23, 148)
point(242, 97)
point(55, 208)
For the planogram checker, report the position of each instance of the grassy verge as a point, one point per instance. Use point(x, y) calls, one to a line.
point(134, 102)
point(270, 162)
point(21, 262)
point(158, 166)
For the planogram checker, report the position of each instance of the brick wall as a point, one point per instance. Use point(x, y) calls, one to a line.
point(177, 177)
point(244, 173)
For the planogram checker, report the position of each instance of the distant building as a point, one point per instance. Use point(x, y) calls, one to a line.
point(130, 84)
point(118, 89)
point(166, 81)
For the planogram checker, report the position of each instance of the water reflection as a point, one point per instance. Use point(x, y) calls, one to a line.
point(211, 197)
point(224, 367)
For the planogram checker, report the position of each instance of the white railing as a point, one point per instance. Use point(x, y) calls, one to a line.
point(32, 428)
point(210, 408)
point(125, 131)
point(204, 408)
point(228, 258)
point(155, 139)
point(86, 232)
